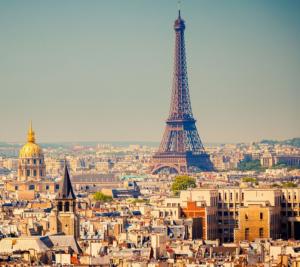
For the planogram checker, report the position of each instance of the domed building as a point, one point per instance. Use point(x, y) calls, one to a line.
point(31, 165)
point(31, 181)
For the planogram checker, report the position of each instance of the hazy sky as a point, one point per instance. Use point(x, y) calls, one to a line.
point(102, 70)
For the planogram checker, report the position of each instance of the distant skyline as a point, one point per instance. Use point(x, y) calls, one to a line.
point(102, 70)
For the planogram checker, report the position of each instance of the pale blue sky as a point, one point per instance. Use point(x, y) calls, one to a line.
point(102, 70)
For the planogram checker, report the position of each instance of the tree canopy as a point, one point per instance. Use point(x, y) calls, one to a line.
point(292, 142)
point(250, 165)
point(99, 196)
point(183, 182)
point(249, 180)
point(289, 184)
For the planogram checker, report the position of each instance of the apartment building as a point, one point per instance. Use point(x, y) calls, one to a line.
point(235, 214)
point(290, 213)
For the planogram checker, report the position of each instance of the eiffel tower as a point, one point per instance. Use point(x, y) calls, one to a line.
point(181, 149)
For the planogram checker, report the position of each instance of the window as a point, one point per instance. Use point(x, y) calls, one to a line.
point(41, 161)
point(59, 206)
point(27, 172)
point(220, 197)
point(34, 161)
point(31, 187)
point(57, 186)
point(67, 206)
point(225, 196)
point(230, 196)
point(41, 173)
point(34, 173)
point(243, 196)
point(47, 187)
point(261, 216)
point(261, 232)
point(246, 233)
point(246, 216)
point(16, 187)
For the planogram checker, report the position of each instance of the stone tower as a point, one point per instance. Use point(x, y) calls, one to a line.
point(63, 217)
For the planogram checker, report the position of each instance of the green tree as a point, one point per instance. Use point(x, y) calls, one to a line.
point(99, 196)
point(250, 165)
point(183, 182)
point(289, 184)
point(249, 180)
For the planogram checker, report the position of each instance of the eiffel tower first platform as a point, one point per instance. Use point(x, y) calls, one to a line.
point(181, 149)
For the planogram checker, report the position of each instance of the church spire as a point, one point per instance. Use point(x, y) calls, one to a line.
point(66, 190)
point(30, 134)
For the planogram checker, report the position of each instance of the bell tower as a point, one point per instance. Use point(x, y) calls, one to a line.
point(63, 218)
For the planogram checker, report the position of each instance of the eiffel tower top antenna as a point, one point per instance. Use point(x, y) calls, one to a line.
point(178, 7)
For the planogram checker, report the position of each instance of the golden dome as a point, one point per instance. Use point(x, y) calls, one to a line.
point(30, 149)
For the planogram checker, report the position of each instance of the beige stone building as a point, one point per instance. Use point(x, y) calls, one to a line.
point(290, 212)
point(257, 221)
point(31, 180)
point(242, 213)
point(31, 165)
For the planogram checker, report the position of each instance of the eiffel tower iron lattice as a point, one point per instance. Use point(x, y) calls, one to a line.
point(181, 149)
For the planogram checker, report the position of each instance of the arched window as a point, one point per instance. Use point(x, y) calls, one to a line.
point(67, 206)
point(59, 206)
